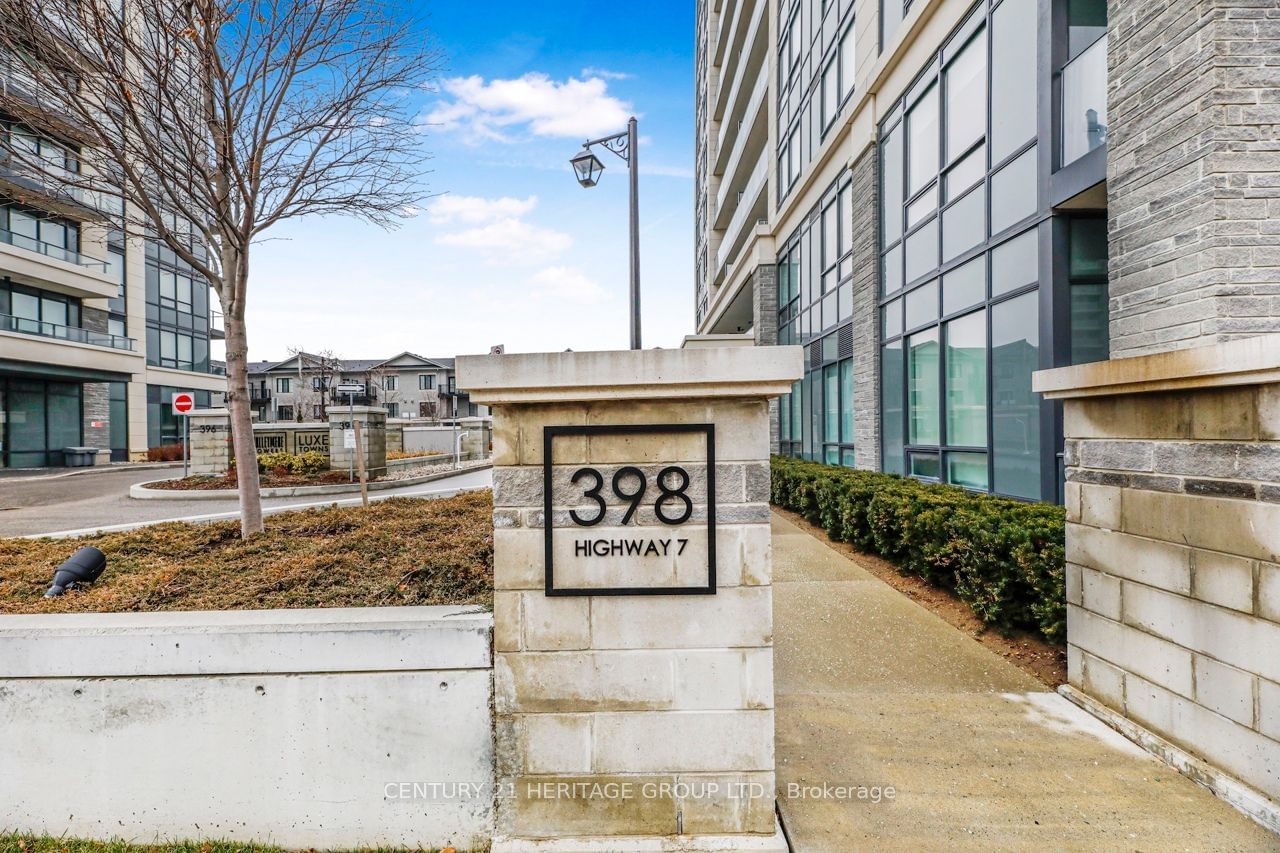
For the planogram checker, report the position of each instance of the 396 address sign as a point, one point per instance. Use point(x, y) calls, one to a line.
point(653, 537)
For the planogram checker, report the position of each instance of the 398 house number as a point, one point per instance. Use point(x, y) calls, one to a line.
point(631, 507)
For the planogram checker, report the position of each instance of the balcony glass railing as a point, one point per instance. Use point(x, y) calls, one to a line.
point(1084, 102)
point(10, 323)
point(61, 253)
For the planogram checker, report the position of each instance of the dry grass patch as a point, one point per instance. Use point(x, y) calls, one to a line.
point(50, 844)
point(397, 552)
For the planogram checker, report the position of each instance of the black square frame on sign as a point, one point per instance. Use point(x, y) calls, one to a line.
point(551, 433)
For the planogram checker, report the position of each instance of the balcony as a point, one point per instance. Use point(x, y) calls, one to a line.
point(48, 187)
point(54, 267)
point(259, 395)
point(1084, 103)
point(21, 325)
point(752, 207)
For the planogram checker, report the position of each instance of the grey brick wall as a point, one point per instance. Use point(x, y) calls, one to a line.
point(764, 311)
point(97, 410)
point(866, 327)
point(1193, 172)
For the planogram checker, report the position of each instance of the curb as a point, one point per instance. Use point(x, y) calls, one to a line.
point(91, 469)
point(141, 492)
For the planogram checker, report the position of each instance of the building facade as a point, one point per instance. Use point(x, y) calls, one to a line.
point(916, 192)
point(304, 386)
point(97, 328)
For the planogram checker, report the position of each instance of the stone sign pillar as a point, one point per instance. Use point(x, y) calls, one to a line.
point(1173, 555)
point(633, 616)
point(210, 441)
point(373, 427)
point(478, 435)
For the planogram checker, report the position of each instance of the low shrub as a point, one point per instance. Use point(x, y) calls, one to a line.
point(413, 454)
point(1004, 558)
point(165, 453)
point(281, 463)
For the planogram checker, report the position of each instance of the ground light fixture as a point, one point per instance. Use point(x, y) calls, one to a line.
point(83, 567)
point(587, 168)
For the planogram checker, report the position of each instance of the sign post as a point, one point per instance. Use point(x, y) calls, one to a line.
point(349, 436)
point(183, 403)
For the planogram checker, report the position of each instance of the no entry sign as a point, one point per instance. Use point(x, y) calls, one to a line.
point(183, 402)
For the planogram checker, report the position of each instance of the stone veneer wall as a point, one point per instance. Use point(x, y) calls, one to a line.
point(97, 397)
point(1193, 172)
point(764, 312)
point(866, 313)
point(645, 690)
point(1173, 539)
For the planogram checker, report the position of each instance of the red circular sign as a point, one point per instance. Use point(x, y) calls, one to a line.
point(183, 402)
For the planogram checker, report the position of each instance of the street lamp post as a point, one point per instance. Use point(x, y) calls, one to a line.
point(587, 167)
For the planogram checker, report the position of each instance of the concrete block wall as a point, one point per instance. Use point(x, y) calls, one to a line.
point(328, 728)
point(373, 428)
point(639, 691)
point(1193, 172)
point(1173, 567)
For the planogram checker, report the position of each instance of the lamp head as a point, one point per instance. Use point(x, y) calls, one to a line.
point(587, 168)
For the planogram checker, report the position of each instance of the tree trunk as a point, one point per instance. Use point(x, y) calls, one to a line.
point(238, 403)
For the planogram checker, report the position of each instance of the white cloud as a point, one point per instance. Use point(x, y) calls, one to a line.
point(492, 110)
point(568, 284)
point(498, 232)
point(510, 240)
point(473, 209)
point(606, 73)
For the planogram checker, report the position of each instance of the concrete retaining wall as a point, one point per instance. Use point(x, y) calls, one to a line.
point(305, 728)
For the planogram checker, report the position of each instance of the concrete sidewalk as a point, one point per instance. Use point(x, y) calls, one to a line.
point(874, 691)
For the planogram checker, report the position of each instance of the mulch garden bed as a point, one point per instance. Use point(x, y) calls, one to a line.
point(269, 480)
point(397, 552)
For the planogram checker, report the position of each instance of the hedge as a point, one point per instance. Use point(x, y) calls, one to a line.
point(1004, 558)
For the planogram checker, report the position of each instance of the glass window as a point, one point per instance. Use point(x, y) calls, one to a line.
point(168, 346)
point(967, 380)
point(1013, 76)
point(922, 207)
point(891, 319)
point(1014, 194)
point(922, 305)
point(891, 12)
point(846, 401)
point(891, 209)
point(922, 251)
point(922, 141)
point(966, 82)
point(893, 270)
point(1015, 355)
point(962, 224)
point(830, 92)
point(831, 391)
point(26, 306)
point(965, 286)
point(923, 389)
point(23, 224)
point(967, 469)
point(1015, 263)
point(53, 311)
point(891, 377)
point(282, 385)
point(168, 285)
point(966, 173)
point(1086, 23)
point(925, 465)
point(847, 62)
point(1087, 274)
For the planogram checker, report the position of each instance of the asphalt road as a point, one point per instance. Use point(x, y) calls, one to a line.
point(86, 502)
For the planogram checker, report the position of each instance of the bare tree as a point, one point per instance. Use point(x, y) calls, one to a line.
point(201, 124)
point(318, 374)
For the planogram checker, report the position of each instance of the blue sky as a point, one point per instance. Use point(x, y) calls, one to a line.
point(511, 250)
